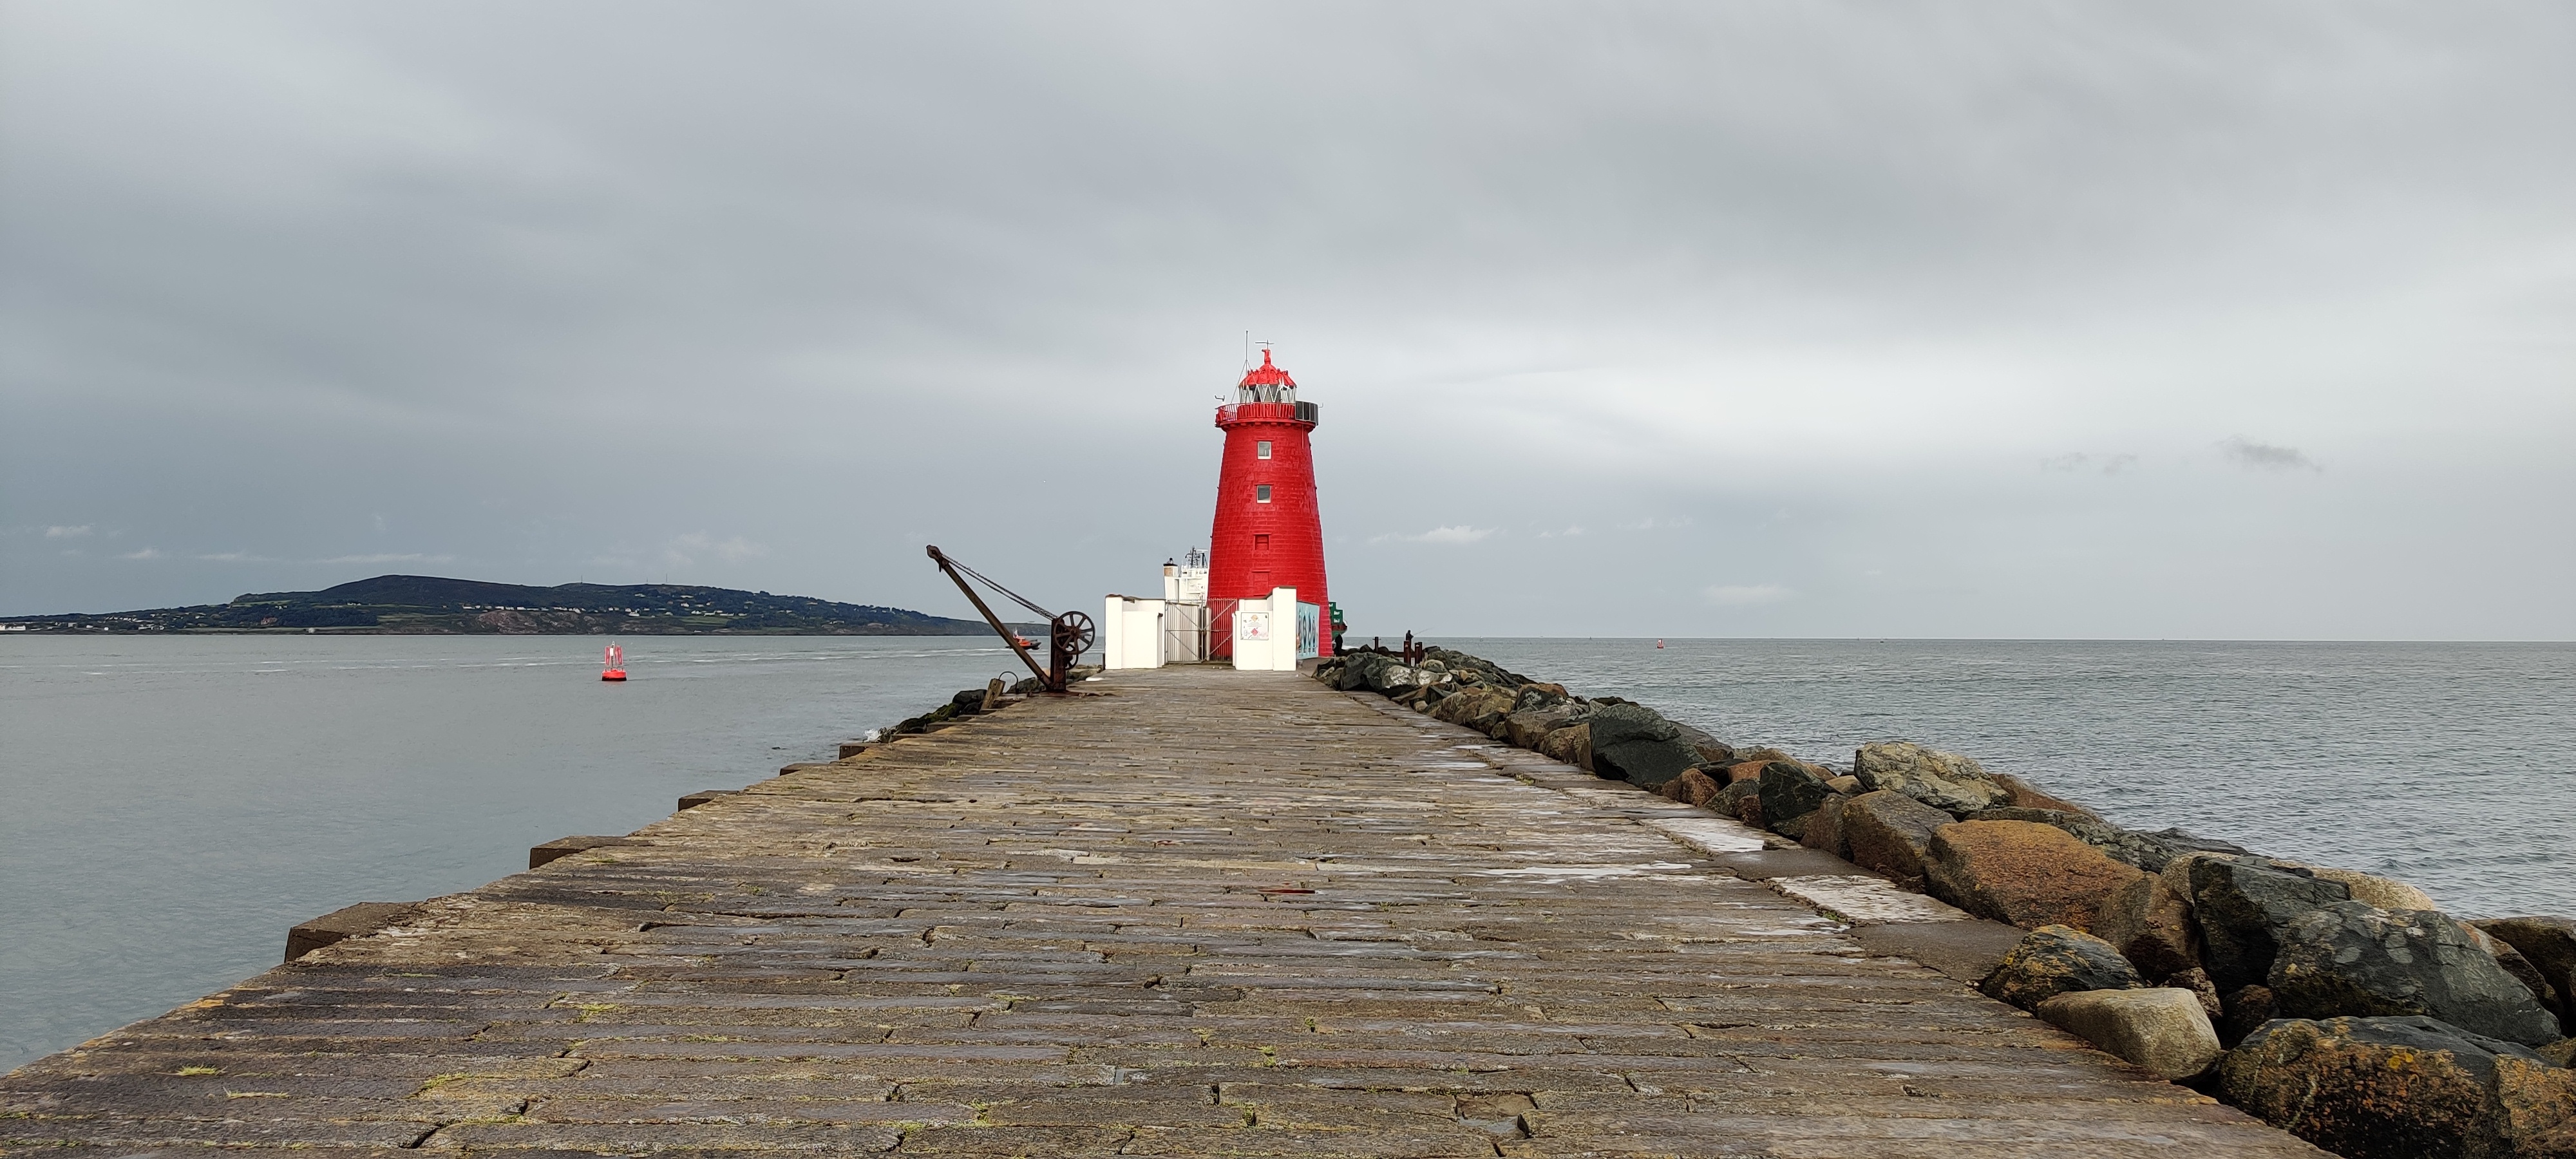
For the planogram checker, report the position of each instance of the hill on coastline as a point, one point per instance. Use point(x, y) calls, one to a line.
point(434, 604)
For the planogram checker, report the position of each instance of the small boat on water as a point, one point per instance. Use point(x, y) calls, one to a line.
point(613, 665)
point(1023, 641)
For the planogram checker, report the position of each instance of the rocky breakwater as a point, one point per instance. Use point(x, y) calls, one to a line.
point(2343, 1007)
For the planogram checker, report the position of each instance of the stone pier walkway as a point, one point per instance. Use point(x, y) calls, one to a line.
point(1192, 912)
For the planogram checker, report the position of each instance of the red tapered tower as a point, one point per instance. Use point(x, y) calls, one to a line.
point(1268, 531)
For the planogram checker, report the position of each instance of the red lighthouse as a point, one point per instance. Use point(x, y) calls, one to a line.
point(1268, 532)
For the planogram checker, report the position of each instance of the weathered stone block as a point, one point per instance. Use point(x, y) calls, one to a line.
point(1527, 727)
point(2549, 943)
point(563, 847)
point(2054, 960)
point(2352, 958)
point(1731, 799)
point(2242, 904)
point(1571, 744)
point(1790, 791)
point(344, 923)
point(1614, 724)
point(1692, 788)
point(1825, 826)
point(2402, 1088)
point(1642, 762)
point(1945, 781)
point(2025, 795)
point(2163, 1031)
point(2023, 872)
point(2151, 923)
point(2385, 892)
point(1889, 833)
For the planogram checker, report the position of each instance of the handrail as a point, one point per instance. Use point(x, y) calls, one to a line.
point(1294, 412)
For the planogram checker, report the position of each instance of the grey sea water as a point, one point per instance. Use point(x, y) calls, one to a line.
point(173, 805)
point(2451, 766)
point(169, 806)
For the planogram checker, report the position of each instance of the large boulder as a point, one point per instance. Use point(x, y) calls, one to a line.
point(1732, 799)
point(1354, 672)
point(1946, 781)
point(2402, 1088)
point(2022, 872)
point(2524, 972)
point(2353, 958)
point(1571, 744)
point(2550, 946)
point(1529, 696)
point(2179, 842)
point(1711, 750)
point(1824, 826)
point(2084, 827)
point(1693, 787)
point(2054, 960)
point(2163, 1031)
point(2150, 920)
point(1632, 743)
point(1528, 726)
point(2244, 1011)
point(2121, 845)
point(1622, 722)
point(2370, 889)
point(1476, 708)
point(1890, 834)
point(1644, 763)
point(1790, 791)
point(2025, 795)
point(2242, 904)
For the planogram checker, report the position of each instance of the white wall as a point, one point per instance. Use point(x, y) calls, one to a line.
point(1131, 633)
point(1264, 640)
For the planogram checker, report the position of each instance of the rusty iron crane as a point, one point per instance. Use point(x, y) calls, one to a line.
point(1068, 635)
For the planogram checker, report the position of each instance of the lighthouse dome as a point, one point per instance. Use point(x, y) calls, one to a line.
point(1266, 383)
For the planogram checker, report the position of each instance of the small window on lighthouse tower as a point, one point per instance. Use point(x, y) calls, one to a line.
point(1261, 450)
point(1260, 543)
point(1261, 494)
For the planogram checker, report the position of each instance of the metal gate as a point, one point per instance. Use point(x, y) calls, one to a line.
point(1218, 636)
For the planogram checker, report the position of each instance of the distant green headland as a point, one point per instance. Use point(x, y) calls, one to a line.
point(431, 604)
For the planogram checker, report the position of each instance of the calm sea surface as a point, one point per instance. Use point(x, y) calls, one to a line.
point(169, 806)
point(2452, 766)
point(172, 805)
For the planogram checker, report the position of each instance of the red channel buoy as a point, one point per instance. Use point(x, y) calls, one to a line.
point(613, 666)
point(1659, 643)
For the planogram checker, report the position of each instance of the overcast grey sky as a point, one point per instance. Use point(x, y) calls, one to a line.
point(1795, 318)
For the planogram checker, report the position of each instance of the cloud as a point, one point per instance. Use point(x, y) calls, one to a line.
point(1736, 595)
point(146, 553)
point(542, 304)
point(2245, 452)
point(1569, 532)
point(67, 532)
point(405, 557)
point(1454, 535)
point(684, 550)
point(234, 557)
point(1654, 522)
point(2080, 461)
